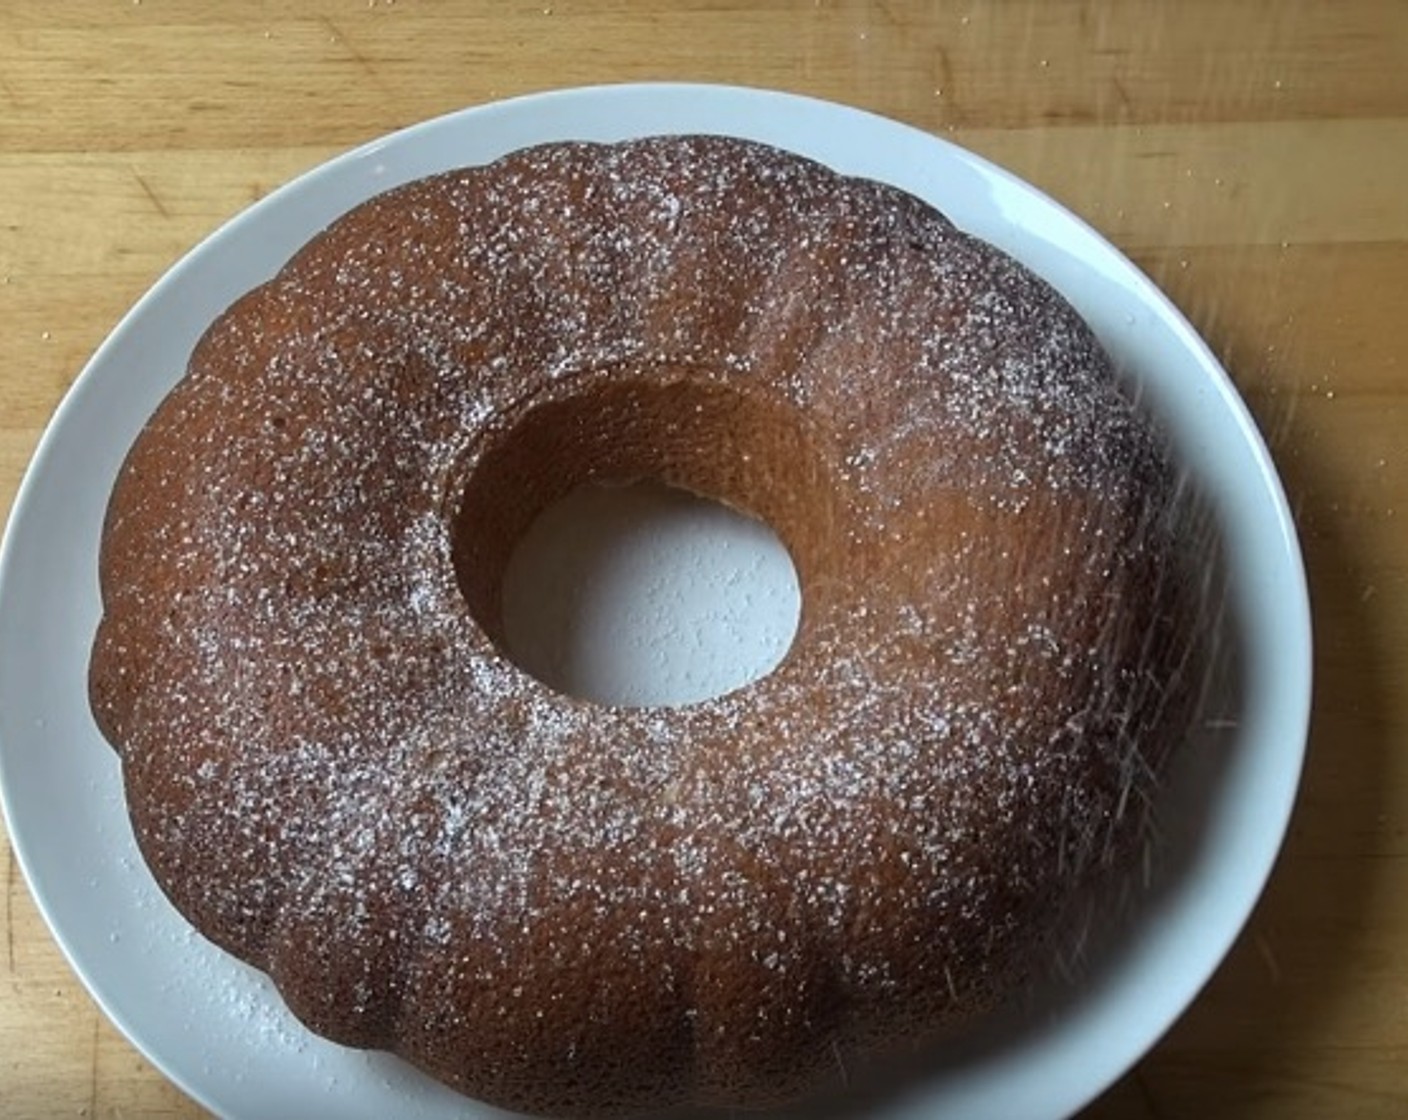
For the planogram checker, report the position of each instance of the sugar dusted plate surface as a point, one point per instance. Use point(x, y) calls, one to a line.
point(219, 1030)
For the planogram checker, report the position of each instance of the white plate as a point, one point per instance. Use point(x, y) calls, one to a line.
point(218, 1030)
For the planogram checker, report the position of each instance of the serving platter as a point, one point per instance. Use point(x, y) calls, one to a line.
point(218, 1029)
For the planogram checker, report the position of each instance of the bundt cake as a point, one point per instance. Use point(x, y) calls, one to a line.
point(336, 771)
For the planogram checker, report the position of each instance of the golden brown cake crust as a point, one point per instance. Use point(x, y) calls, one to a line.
point(336, 774)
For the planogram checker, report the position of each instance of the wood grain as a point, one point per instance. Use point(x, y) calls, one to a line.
point(1250, 156)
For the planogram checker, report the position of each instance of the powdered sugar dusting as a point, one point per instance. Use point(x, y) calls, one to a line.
point(337, 776)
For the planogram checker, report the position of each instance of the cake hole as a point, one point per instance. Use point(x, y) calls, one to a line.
point(645, 595)
point(721, 600)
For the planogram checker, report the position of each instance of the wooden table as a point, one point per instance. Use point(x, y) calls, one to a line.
point(1252, 157)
